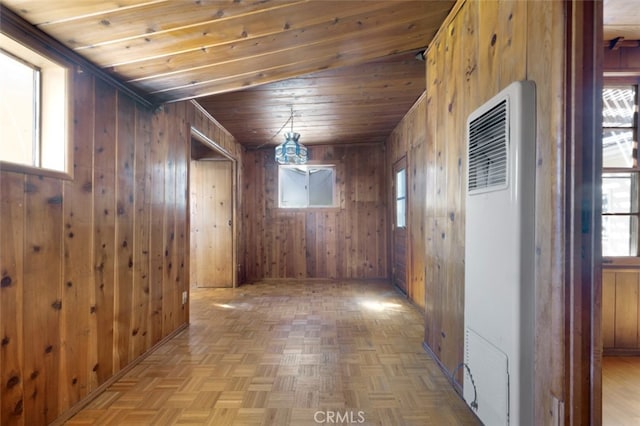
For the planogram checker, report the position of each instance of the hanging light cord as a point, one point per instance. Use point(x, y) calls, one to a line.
point(290, 119)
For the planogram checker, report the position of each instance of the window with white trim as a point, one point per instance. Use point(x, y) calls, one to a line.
point(620, 182)
point(33, 109)
point(307, 186)
point(401, 198)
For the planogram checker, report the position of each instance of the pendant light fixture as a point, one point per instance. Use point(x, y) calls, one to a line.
point(291, 151)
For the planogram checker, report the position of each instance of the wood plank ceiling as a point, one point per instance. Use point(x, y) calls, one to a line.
point(347, 68)
point(621, 19)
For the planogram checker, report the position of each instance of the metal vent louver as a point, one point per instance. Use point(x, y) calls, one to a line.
point(488, 149)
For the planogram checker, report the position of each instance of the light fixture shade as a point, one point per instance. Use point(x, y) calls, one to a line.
point(291, 151)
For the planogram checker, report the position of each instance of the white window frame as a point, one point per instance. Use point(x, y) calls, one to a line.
point(306, 168)
point(399, 197)
point(52, 153)
point(612, 171)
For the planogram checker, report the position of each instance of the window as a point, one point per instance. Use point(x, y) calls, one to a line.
point(401, 198)
point(33, 109)
point(620, 183)
point(306, 186)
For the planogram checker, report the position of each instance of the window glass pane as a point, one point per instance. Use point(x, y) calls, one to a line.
point(617, 148)
point(305, 186)
point(618, 235)
point(401, 183)
point(618, 106)
point(293, 191)
point(17, 112)
point(401, 212)
point(321, 187)
point(619, 192)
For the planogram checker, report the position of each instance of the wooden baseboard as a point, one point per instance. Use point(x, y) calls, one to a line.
point(621, 352)
point(456, 386)
point(319, 280)
point(75, 408)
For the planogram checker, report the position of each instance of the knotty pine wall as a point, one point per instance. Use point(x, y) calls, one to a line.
point(346, 242)
point(93, 268)
point(408, 140)
point(482, 48)
point(623, 61)
point(621, 312)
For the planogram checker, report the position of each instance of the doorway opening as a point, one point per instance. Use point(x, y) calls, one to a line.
point(212, 214)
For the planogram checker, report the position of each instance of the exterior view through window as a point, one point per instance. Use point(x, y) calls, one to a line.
point(620, 186)
point(33, 108)
point(306, 186)
point(401, 198)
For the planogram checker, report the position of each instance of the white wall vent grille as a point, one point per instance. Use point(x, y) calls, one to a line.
point(488, 146)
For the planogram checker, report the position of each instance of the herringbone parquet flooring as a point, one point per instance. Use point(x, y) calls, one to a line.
point(288, 353)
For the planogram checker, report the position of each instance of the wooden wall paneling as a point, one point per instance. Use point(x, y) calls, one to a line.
point(263, 250)
point(512, 17)
point(296, 243)
point(622, 61)
point(351, 233)
point(545, 66)
point(416, 221)
point(195, 204)
point(430, 284)
point(431, 193)
point(42, 303)
point(241, 232)
point(105, 213)
point(290, 231)
point(249, 219)
point(91, 264)
point(377, 230)
point(285, 256)
point(608, 309)
point(125, 212)
point(315, 226)
point(330, 249)
point(169, 224)
point(181, 160)
point(141, 300)
point(417, 181)
point(12, 289)
point(341, 243)
point(159, 152)
point(180, 132)
point(312, 249)
point(626, 313)
point(351, 230)
point(489, 53)
point(440, 201)
point(288, 252)
point(621, 312)
point(452, 331)
point(78, 319)
point(470, 90)
point(300, 246)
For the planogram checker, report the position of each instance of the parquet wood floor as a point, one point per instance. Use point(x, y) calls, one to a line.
point(621, 391)
point(288, 353)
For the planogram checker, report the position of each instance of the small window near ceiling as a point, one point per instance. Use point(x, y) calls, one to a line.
point(306, 186)
point(401, 198)
point(620, 174)
point(33, 109)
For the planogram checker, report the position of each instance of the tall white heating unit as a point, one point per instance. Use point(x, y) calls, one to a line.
point(499, 258)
